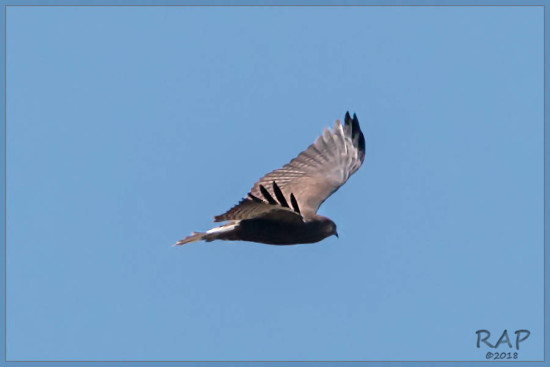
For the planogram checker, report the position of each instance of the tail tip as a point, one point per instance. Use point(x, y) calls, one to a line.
point(193, 237)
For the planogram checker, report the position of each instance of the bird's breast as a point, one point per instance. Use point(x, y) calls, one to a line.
point(279, 233)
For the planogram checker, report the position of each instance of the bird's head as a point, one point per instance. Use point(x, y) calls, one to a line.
point(329, 227)
point(333, 229)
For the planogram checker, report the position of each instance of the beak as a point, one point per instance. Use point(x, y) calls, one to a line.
point(336, 234)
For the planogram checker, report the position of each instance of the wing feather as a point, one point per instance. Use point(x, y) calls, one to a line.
point(249, 209)
point(310, 178)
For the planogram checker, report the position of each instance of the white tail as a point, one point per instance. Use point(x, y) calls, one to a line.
point(210, 235)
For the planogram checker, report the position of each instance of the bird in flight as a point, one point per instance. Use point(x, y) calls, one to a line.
point(281, 208)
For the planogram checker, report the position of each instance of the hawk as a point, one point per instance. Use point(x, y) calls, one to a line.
point(281, 208)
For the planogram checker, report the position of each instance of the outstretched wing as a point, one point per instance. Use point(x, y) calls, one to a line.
point(304, 183)
point(255, 208)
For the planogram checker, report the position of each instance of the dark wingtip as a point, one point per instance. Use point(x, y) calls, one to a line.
point(279, 195)
point(357, 136)
point(254, 198)
point(347, 124)
point(355, 129)
point(294, 203)
point(361, 146)
point(267, 195)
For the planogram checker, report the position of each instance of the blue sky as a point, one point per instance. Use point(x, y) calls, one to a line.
point(129, 127)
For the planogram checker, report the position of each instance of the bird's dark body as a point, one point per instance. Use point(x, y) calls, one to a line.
point(281, 208)
point(273, 232)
